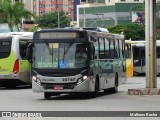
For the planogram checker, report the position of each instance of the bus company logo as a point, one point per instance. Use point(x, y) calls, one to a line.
point(48, 79)
point(6, 114)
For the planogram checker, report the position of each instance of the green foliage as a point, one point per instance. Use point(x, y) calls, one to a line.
point(50, 20)
point(12, 14)
point(33, 29)
point(133, 31)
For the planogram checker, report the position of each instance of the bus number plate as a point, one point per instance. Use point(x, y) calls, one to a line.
point(58, 88)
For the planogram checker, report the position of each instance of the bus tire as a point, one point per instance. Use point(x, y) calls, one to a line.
point(115, 88)
point(10, 86)
point(95, 93)
point(47, 95)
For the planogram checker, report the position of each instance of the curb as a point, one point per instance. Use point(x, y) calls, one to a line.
point(144, 91)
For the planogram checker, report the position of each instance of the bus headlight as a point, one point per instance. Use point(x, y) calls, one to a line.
point(37, 80)
point(82, 79)
point(34, 78)
point(85, 77)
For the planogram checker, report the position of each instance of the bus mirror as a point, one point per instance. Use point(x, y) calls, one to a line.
point(29, 52)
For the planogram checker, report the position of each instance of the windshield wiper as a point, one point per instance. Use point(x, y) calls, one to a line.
point(65, 52)
point(47, 44)
point(69, 47)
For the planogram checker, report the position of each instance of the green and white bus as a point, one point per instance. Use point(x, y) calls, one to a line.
point(15, 69)
point(58, 67)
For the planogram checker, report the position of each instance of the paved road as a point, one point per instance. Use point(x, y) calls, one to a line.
point(22, 99)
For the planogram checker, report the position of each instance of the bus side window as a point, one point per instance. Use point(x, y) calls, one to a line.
point(112, 49)
point(120, 49)
point(96, 45)
point(136, 52)
point(107, 48)
point(123, 49)
point(22, 48)
point(102, 48)
point(116, 48)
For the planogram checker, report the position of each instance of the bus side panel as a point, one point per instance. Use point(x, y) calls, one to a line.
point(7, 64)
point(107, 74)
point(129, 67)
point(24, 70)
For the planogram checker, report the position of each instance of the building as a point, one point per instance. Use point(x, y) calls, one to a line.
point(109, 2)
point(25, 27)
point(40, 7)
point(102, 13)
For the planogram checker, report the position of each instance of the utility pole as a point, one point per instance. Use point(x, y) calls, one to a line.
point(150, 22)
point(151, 66)
point(58, 20)
point(84, 19)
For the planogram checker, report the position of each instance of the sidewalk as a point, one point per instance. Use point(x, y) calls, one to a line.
point(139, 87)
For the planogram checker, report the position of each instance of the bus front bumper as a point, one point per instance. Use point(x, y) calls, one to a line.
point(72, 88)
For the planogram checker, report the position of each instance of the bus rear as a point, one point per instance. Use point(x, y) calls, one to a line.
point(14, 69)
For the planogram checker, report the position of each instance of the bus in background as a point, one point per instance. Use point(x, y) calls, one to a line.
point(139, 57)
point(129, 58)
point(14, 67)
point(77, 60)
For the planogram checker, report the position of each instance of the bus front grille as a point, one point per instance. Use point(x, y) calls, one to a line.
point(65, 85)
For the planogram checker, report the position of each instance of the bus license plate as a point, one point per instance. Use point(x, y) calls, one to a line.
point(58, 87)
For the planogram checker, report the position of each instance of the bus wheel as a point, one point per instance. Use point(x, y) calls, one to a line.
point(115, 88)
point(95, 93)
point(47, 95)
point(10, 86)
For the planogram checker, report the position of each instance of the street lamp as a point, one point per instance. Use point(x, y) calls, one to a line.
point(58, 19)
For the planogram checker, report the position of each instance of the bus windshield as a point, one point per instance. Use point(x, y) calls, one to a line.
point(59, 55)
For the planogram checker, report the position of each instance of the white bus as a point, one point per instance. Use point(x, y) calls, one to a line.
point(14, 66)
point(139, 57)
point(81, 60)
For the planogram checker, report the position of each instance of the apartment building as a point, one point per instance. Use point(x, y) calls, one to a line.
point(40, 7)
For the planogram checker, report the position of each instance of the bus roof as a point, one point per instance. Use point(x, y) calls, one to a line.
point(99, 29)
point(95, 32)
point(142, 43)
point(22, 35)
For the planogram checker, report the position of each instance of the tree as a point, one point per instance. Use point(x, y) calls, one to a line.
point(50, 20)
point(12, 14)
point(133, 31)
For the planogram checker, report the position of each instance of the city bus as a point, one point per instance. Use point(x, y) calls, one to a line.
point(57, 67)
point(14, 66)
point(129, 58)
point(139, 57)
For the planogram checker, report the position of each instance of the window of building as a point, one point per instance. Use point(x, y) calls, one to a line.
point(100, 1)
point(91, 1)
